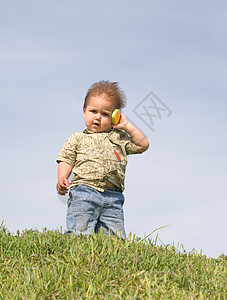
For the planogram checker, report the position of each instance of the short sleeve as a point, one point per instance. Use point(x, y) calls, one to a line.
point(69, 150)
point(130, 146)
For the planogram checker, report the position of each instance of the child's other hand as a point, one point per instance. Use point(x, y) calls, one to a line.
point(123, 123)
point(62, 186)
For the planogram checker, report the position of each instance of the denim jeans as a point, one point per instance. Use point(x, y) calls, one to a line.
point(90, 210)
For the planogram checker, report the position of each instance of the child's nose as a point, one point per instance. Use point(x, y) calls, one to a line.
point(98, 116)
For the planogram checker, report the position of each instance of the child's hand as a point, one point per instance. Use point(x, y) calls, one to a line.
point(123, 123)
point(62, 186)
point(137, 136)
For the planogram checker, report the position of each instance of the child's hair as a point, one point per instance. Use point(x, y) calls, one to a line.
point(110, 89)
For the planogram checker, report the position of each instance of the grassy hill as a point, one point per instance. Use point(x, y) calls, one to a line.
point(50, 265)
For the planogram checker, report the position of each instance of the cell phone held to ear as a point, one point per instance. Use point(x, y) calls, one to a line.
point(116, 115)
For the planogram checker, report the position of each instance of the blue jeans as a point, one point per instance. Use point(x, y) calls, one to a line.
point(90, 210)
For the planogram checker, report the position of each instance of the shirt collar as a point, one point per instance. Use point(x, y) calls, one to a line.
point(90, 132)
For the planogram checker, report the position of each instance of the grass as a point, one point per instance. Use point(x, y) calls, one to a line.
point(50, 265)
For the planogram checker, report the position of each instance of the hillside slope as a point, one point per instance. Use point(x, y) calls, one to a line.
point(50, 265)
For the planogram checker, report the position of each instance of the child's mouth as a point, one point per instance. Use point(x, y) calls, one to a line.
point(96, 124)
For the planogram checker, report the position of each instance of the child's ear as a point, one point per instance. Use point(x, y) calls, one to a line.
point(84, 113)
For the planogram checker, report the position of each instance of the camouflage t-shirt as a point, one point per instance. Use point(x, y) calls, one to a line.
point(98, 157)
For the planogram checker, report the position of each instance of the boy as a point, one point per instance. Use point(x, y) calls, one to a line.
point(98, 157)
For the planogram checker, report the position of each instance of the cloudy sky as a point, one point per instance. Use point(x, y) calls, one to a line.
point(169, 54)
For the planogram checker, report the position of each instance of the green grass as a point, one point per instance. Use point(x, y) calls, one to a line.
point(50, 265)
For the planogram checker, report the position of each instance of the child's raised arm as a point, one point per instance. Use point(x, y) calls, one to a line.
point(64, 171)
point(137, 136)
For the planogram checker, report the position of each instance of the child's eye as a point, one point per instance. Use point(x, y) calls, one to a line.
point(93, 110)
point(105, 114)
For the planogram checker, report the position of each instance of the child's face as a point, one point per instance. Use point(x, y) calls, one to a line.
point(97, 114)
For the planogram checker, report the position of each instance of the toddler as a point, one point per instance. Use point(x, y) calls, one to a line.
point(98, 157)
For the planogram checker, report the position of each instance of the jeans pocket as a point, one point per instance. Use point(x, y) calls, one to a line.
point(80, 200)
point(117, 205)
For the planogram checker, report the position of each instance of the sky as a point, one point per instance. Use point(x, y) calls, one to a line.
point(170, 59)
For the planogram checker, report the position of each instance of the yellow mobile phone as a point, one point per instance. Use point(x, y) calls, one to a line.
point(116, 115)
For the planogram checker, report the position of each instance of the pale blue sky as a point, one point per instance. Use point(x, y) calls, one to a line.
point(50, 54)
